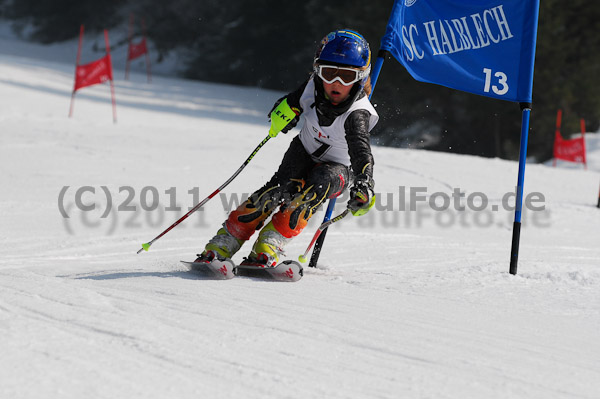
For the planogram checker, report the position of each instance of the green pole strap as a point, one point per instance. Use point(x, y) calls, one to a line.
point(280, 117)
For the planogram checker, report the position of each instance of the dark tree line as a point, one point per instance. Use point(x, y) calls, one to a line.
point(270, 44)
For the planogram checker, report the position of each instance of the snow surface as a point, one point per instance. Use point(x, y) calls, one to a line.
point(403, 305)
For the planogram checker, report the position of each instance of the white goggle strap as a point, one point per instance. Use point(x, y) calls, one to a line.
point(363, 74)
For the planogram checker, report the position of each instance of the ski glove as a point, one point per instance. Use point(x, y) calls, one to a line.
point(362, 197)
point(291, 124)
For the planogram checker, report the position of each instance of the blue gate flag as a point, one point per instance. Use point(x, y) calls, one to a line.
point(478, 46)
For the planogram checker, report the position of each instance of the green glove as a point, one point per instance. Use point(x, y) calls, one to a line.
point(281, 116)
point(362, 197)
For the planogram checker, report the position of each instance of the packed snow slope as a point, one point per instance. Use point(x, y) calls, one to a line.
point(403, 304)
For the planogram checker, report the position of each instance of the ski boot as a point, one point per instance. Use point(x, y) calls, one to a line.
point(222, 246)
point(268, 248)
point(216, 258)
point(264, 260)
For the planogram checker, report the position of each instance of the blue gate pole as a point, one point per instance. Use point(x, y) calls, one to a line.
point(319, 244)
point(514, 251)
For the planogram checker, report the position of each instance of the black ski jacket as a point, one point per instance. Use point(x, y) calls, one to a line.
point(356, 125)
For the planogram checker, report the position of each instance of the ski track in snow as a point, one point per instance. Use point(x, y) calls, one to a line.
point(399, 306)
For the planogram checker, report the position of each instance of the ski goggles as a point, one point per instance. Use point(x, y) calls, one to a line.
point(346, 76)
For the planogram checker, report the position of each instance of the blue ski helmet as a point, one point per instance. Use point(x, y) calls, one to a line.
point(345, 47)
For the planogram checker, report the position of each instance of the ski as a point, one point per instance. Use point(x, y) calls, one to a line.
point(220, 270)
point(288, 270)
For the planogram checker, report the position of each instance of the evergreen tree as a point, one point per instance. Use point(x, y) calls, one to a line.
point(59, 20)
point(567, 73)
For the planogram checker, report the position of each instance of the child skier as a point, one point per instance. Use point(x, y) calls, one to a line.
point(331, 151)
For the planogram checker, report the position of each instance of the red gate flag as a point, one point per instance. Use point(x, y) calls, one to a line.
point(569, 150)
point(93, 73)
point(572, 150)
point(136, 50)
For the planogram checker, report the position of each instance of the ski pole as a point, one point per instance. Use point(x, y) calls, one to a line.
point(147, 245)
point(280, 117)
point(324, 226)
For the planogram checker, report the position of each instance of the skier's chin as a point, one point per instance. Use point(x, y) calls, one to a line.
point(336, 97)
